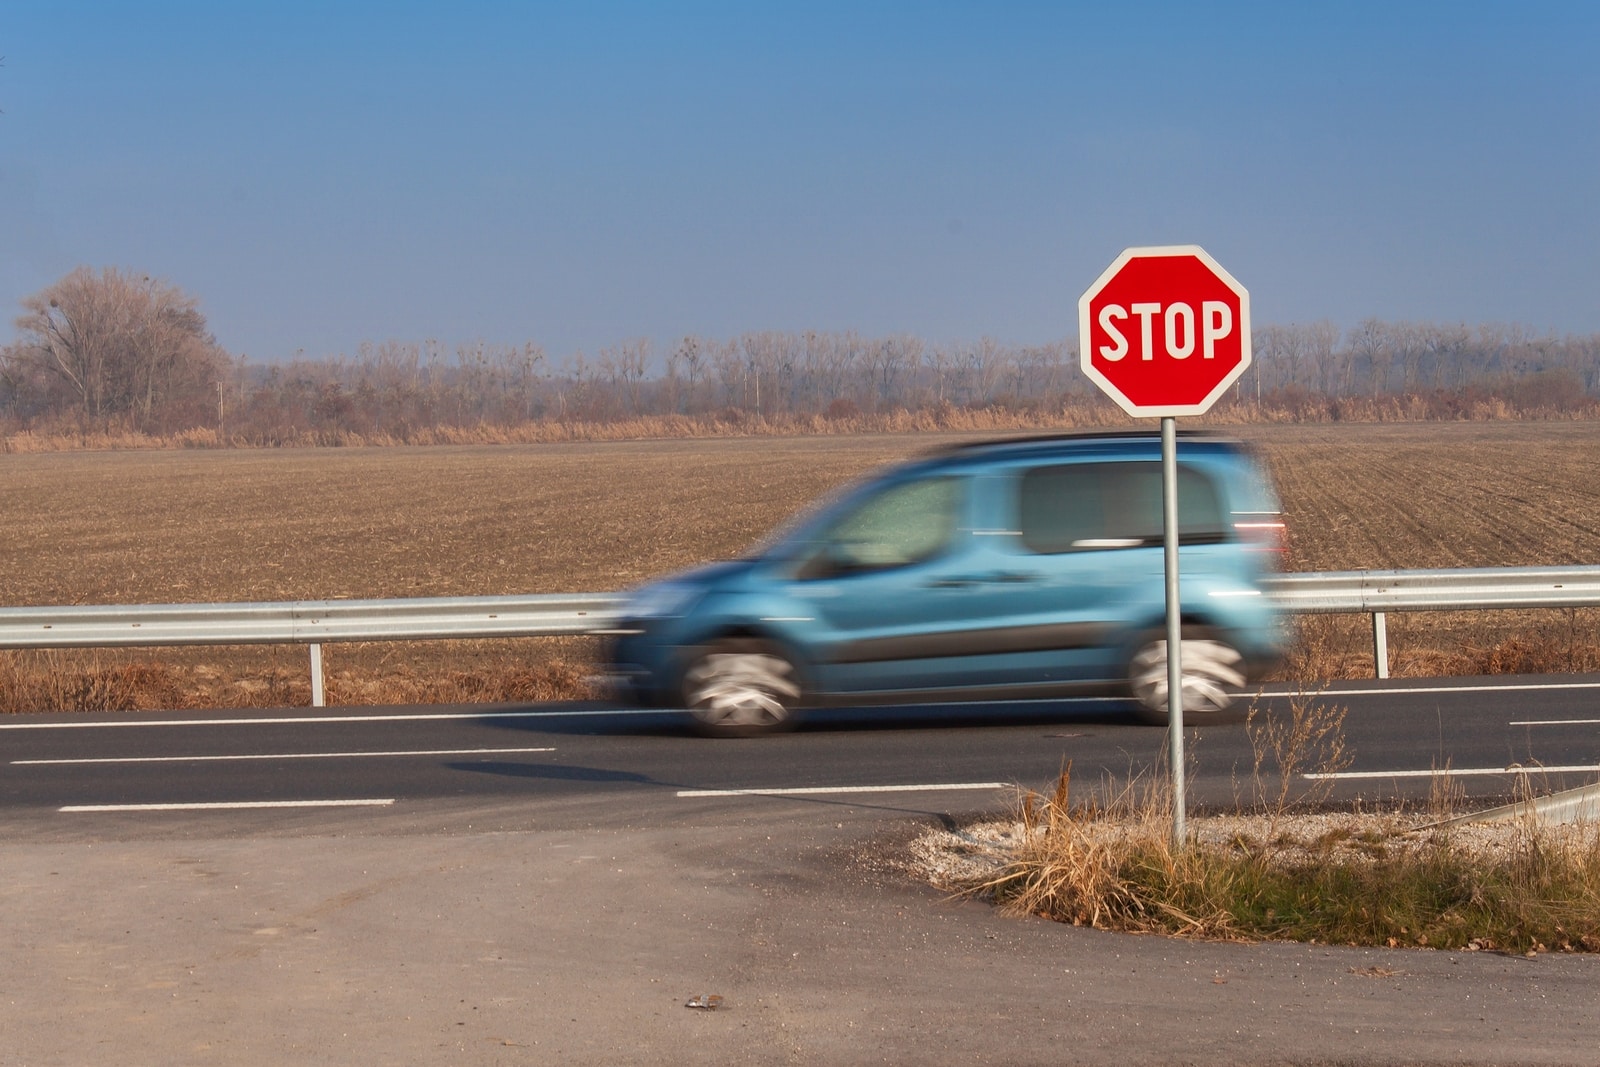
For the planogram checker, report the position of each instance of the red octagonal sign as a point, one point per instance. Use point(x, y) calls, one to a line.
point(1164, 331)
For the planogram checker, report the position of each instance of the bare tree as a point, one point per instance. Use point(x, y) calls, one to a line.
point(690, 355)
point(1322, 339)
point(887, 360)
point(530, 361)
point(124, 344)
point(1372, 342)
point(633, 360)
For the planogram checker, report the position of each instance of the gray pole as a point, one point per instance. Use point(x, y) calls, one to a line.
point(1169, 507)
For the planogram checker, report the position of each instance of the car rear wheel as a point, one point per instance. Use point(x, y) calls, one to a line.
point(741, 687)
point(1211, 669)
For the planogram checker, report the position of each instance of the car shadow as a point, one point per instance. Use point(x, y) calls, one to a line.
point(1077, 712)
point(598, 719)
point(559, 773)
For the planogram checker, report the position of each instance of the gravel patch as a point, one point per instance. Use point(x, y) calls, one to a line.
point(959, 859)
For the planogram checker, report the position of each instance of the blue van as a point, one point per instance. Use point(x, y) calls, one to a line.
point(1010, 569)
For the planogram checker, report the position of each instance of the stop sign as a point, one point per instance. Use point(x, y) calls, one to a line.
point(1164, 331)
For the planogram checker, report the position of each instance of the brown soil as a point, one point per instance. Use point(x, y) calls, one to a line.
point(212, 526)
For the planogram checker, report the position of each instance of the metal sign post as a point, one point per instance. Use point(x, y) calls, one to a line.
point(1164, 332)
point(1169, 524)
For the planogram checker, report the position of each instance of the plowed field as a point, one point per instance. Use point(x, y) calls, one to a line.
point(1438, 495)
point(143, 527)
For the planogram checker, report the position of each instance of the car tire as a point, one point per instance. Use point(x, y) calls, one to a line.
point(1212, 668)
point(741, 687)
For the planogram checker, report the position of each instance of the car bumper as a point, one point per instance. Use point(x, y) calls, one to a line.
point(637, 668)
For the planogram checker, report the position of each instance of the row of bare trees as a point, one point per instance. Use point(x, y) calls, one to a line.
point(1384, 358)
point(118, 349)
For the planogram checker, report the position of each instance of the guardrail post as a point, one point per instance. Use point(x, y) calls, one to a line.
point(316, 676)
point(1380, 643)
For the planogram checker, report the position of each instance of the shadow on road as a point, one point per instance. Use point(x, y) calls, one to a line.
point(588, 718)
point(557, 772)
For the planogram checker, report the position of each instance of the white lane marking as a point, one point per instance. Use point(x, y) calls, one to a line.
point(1554, 722)
point(298, 720)
point(1458, 772)
point(230, 804)
point(823, 790)
point(280, 755)
point(1401, 690)
point(314, 720)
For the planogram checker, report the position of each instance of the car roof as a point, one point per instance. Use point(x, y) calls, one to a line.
point(1253, 487)
point(1140, 443)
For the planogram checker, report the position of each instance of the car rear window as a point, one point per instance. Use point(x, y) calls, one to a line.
point(1087, 506)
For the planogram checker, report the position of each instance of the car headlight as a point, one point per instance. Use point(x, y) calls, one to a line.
point(661, 601)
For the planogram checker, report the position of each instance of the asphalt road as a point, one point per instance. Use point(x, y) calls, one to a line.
point(620, 761)
point(551, 884)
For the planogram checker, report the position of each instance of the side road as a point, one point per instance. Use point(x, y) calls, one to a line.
point(471, 939)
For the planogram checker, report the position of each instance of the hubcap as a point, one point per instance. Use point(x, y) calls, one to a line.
point(1209, 667)
point(741, 689)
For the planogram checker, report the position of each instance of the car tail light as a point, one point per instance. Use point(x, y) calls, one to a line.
point(1264, 535)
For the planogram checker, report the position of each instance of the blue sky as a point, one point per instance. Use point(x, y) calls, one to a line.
point(586, 174)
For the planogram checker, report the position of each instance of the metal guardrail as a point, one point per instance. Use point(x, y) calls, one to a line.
point(1459, 589)
point(316, 622)
point(1437, 590)
point(306, 621)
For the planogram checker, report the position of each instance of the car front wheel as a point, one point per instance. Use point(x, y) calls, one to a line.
point(1211, 669)
point(741, 687)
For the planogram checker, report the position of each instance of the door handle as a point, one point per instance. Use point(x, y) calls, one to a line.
point(965, 581)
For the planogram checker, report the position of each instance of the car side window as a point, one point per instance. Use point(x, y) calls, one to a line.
point(902, 524)
point(1087, 506)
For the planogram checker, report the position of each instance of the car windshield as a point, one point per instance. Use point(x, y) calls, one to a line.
point(790, 536)
point(801, 530)
point(882, 526)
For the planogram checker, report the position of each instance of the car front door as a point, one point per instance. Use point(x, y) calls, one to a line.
point(888, 583)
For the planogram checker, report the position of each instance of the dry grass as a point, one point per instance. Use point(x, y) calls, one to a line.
point(1309, 736)
point(1278, 871)
point(843, 417)
point(729, 423)
point(230, 525)
point(1332, 878)
point(257, 677)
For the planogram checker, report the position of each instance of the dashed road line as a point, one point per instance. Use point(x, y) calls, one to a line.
point(836, 789)
point(273, 756)
point(1404, 690)
point(1458, 772)
point(228, 805)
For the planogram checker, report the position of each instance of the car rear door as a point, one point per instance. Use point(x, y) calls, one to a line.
point(1089, 537)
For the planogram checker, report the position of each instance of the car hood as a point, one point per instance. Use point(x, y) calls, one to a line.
point(675, 594)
